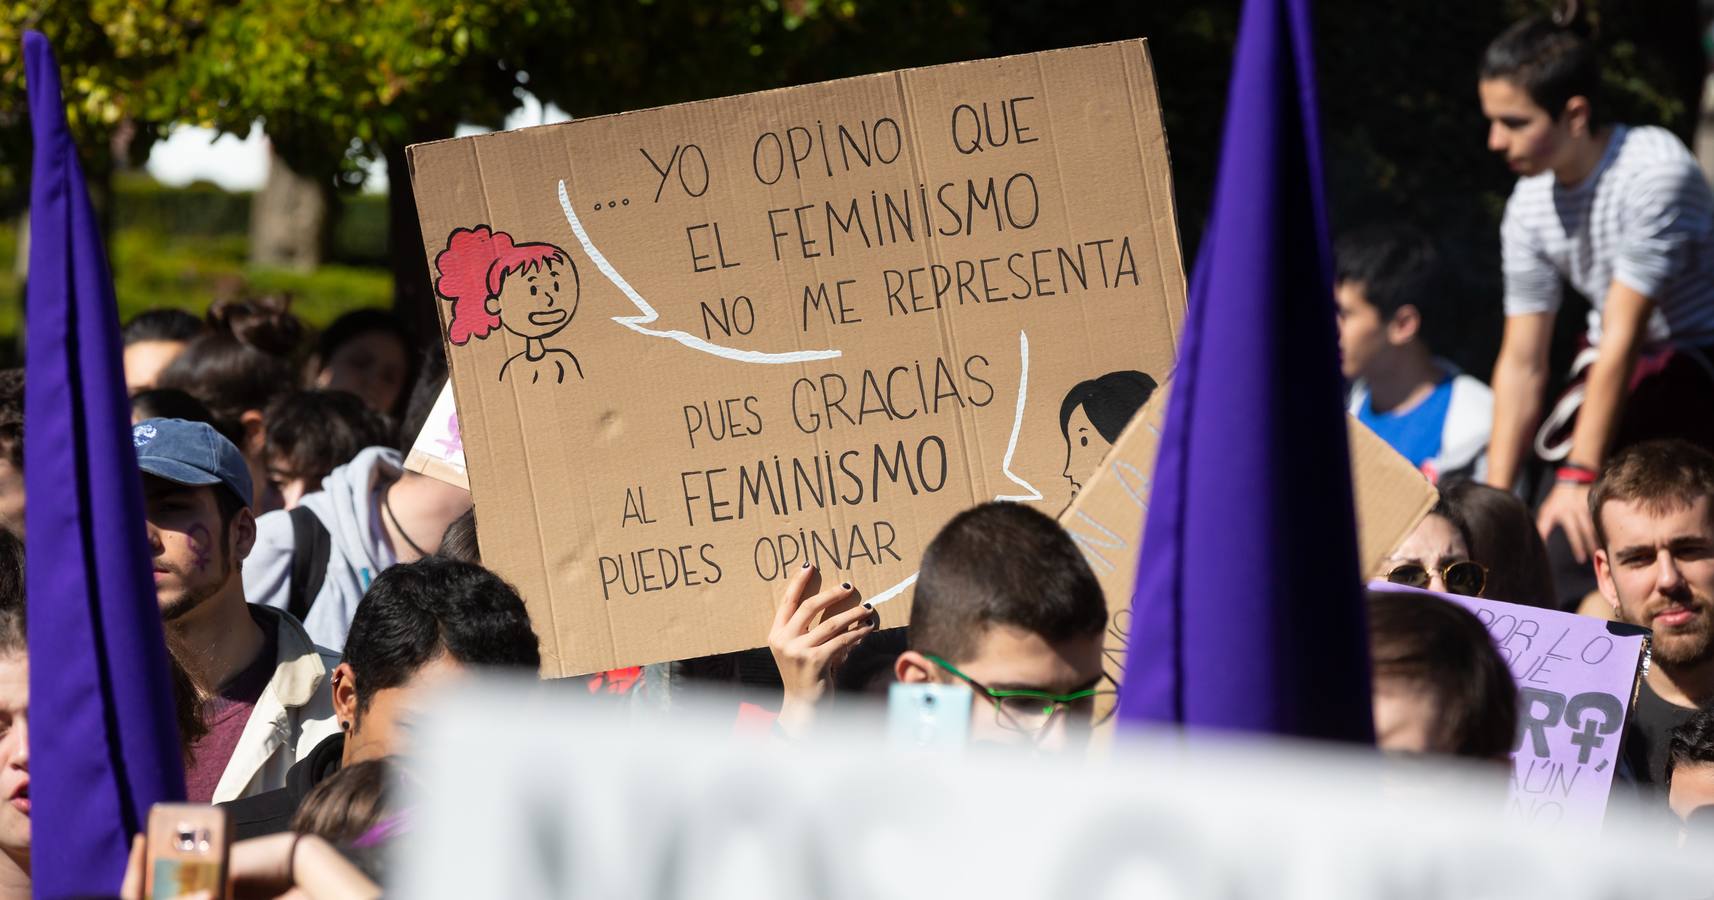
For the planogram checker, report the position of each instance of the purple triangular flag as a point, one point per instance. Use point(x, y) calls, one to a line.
point(1248, 611)
point(103, 738)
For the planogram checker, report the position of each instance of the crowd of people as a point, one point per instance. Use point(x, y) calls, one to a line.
point(313, 590)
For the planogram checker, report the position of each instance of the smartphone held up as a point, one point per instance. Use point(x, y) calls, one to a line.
point(186, 851)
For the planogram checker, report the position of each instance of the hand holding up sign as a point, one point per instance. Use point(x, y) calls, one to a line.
point(808, 642)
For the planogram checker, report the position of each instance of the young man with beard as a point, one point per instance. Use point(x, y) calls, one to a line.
point(266, 686)
point(1653, 512)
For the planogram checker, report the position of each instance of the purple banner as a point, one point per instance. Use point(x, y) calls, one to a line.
point(1576, 677)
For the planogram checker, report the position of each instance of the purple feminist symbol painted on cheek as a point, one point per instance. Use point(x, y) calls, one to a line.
point(201, 544)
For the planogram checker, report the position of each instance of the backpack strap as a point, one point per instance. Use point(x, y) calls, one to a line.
point(312, 545)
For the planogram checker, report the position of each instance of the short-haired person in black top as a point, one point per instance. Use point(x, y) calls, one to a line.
point(420, 625)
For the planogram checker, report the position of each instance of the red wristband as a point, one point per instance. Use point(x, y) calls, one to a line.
point(1574, 474)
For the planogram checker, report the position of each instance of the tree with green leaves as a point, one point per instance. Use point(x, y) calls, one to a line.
point(338, 84)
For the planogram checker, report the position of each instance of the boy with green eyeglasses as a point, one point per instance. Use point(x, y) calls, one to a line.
point(1005, 604)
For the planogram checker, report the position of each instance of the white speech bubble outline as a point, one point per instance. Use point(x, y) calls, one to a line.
point(1005, 464)
point(647, 313)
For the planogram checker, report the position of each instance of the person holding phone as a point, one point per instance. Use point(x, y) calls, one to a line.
point(296, 865)
point(1005, 605)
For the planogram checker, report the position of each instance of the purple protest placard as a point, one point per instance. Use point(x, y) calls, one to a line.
point(1576, 678)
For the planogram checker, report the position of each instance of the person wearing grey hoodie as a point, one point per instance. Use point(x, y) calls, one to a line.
point(319, 559)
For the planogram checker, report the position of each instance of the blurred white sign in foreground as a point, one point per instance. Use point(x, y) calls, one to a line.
point(533, 793)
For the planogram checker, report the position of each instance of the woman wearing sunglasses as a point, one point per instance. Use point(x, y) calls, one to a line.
point(1436, 556)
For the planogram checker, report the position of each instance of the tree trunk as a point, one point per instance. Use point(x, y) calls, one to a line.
point(288, 218)
point(413, 291)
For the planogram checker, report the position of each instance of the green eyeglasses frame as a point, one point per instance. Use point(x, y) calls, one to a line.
point(1054, 702)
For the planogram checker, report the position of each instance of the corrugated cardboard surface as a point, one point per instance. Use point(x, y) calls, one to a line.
point(1106, 519)
point(648, 506)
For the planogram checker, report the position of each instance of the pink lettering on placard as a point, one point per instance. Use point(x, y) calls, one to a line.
point(453, 444)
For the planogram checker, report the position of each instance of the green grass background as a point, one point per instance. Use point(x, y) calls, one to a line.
point(183, 247)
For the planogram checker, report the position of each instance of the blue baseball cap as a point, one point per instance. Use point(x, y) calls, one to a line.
point(190, 453)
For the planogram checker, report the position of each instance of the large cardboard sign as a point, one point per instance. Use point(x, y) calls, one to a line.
point(1106, 520)
point(1577, 677)
point(694, 347)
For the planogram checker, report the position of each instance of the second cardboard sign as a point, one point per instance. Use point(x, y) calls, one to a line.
point(1106, 520)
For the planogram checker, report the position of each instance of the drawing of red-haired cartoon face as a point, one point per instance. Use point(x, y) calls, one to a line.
point(529, 289)
point(539, 297)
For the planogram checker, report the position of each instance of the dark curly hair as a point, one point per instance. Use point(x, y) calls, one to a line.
point(417, 611)
point(1691, 744)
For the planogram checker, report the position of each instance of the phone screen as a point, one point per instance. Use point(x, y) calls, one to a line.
point(186, 848)
point(928, 716)
point(177, 877)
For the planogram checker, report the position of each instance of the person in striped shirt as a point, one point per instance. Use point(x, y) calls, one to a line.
point(1624, 215)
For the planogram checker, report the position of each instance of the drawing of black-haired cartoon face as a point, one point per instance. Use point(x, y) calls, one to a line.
point(537, 301)
point(1092, 416)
